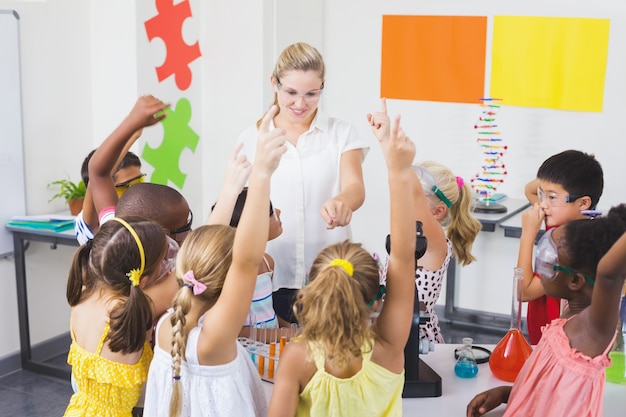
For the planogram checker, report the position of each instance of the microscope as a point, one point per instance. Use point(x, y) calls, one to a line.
point(420, 380)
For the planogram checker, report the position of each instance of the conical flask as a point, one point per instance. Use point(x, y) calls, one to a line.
point(511, 352)
point(466, 366)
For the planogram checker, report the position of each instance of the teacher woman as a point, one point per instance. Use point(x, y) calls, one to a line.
point(319, 182)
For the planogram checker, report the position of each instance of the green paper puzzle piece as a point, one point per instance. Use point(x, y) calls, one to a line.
point(177, 135)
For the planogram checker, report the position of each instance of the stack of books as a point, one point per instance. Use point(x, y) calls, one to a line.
point(55, 223)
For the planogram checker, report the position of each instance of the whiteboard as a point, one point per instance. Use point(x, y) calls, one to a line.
point(11, 138)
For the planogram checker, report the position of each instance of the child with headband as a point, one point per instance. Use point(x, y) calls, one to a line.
point(199, 367)
point(111, 316)
point(443, 205)
point(342, 364)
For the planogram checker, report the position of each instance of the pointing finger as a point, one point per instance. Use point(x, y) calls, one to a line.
point(265, 123)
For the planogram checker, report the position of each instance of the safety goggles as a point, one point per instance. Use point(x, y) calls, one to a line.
point(430, 185)
point(180, 234)
point(546, 260)
point(554, 199)
point(123, 186)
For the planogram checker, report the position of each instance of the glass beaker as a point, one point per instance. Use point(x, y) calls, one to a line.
point(466, 366)
point(513, 349)
point(617, 371)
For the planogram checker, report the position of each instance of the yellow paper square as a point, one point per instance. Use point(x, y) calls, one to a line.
point(553, 62)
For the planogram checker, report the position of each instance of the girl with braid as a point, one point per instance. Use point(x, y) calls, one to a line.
point(199, 367)
point(111, 315)
point(342, 365)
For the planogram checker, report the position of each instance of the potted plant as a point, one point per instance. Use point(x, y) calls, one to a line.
point(73, 193)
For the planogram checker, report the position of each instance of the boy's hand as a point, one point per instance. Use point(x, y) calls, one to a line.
point(270, 146)
point(532, 219)
point(380, 122)
point(238, 170)
point(147, 111)
point(487, 401)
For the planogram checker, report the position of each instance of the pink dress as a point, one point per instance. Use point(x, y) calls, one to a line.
point(556, 379)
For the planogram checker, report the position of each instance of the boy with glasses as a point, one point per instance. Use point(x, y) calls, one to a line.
point(568, 185)
point(127, 173)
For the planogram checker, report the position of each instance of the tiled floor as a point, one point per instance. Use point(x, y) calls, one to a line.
point(25, 393)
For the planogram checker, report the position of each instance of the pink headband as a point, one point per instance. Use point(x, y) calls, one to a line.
point(459, 182)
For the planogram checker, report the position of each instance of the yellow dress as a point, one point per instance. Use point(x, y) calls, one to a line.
point(373, 391)
point(105, 388)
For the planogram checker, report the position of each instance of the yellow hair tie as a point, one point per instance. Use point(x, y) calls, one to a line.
point(345, 265)
point(135, 274)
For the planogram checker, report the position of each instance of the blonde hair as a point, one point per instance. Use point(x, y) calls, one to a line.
point(207, 251)
point(299, 56)
point(333, 308)
point(461, 227)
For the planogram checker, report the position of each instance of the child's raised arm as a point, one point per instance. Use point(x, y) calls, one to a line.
point(607, 291)
point(238, 170)
point(90, 215)
point(146, 112)
point(394, 322)
point(250, 238)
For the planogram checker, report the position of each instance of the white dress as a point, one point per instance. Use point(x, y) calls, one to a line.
point(307, 176)
point(232, 389)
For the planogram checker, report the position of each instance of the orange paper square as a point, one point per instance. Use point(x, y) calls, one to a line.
point(433, 58)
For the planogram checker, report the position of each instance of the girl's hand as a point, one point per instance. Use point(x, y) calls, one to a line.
point(399, 150)
point(488, 400)
point(238, 170)
point(380, 122)
point(270, 146)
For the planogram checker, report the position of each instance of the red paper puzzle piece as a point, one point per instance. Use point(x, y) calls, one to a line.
point(168, 25)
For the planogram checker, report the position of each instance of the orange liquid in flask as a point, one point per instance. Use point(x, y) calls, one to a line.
point(509, 355)
point(512, 350)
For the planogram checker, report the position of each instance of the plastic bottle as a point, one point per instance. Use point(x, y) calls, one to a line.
point(616, 373)
point(511, 352)
point(466, 366)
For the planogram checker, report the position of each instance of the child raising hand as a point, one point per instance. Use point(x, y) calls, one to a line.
point(583, 262)
point(199, 368)
point(342, 364)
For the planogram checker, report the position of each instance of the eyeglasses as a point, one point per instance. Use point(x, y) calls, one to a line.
point(185, 229)
point(169, 262)
point(546, 259)
point(430, 185)
point(308, 97)
point(121, 187)
point(556, 200)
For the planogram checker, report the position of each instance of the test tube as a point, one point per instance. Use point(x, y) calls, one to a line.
point(272, 336)
point(260, 340)
point(252, 336)
point(295, 330)
point(284, 334)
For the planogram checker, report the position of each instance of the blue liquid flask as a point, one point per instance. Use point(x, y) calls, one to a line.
point(466, 366)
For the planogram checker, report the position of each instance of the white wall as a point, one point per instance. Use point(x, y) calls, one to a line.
point(79, 80)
